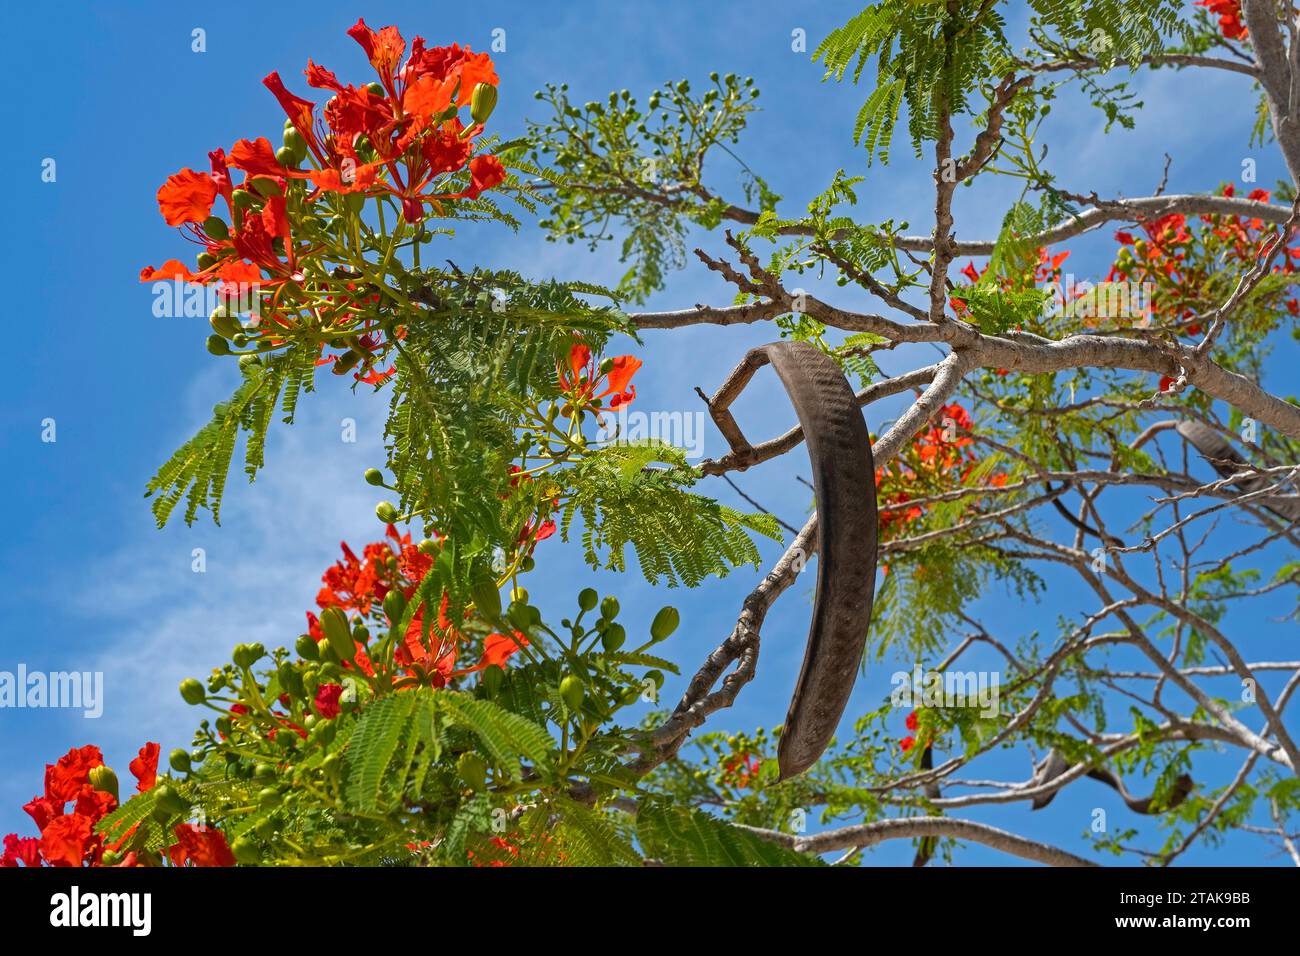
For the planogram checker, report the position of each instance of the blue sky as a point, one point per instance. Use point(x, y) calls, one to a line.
point(118, 99)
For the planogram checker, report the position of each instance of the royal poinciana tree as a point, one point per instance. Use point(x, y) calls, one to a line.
point(1120, 444)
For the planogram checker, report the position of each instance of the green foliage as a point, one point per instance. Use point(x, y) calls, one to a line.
point(615, 162)
point(677, 536)
point(680, 836)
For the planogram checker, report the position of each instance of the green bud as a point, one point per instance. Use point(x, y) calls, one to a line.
point(376, 88)
point(394, 604)
point(306, 648)
point(285, 157)
point(103, 779)
point(192, 691)
point(242, 199)
point(206, 260)
point(180, 760)
point(571, 692)
point(167, 799)
point(587, 598)
point(613, 637)
point(664, 624)
point(218, 345)
point(386, 512)
point(337, 631)
point(269, 797)
point(487, 598)
point(374, 476)
point(245, 850)
point(609, 608)
point(483, 101)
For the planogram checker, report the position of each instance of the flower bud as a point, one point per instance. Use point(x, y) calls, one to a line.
point(335, 625)
point(609, 608)
point(103, 778)
point(179, 760)
point(571, 692)
point(386, 512)
point(374, 476)
point(664, 624)
point(587, 598)
point(218, 345)
point(192, 691)
point(613, 638)
point(394, 604)
point(306, 648)
point(482, 102)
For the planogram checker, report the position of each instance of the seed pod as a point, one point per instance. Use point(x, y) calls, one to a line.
point(482, 102)
point(103, 779)
point(664, 624)
point(192, 691)
point(571, 692)
point(335, 625)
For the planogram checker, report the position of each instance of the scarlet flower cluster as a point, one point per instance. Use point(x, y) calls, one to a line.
point(942, 452)
point(360, 584)
point(69, 838)
point(1229, 14)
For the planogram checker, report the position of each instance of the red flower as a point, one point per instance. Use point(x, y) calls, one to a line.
point(64, 780)
point(911, 721)
point(67, 840)
point(327, 700)
point(584, 376)
point(907, 743)
point(486, 172)
point(145, 767)
point(1229, 14)
point(200, 846)
point(187, 196)
point(24, 850)
point(497, 648)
